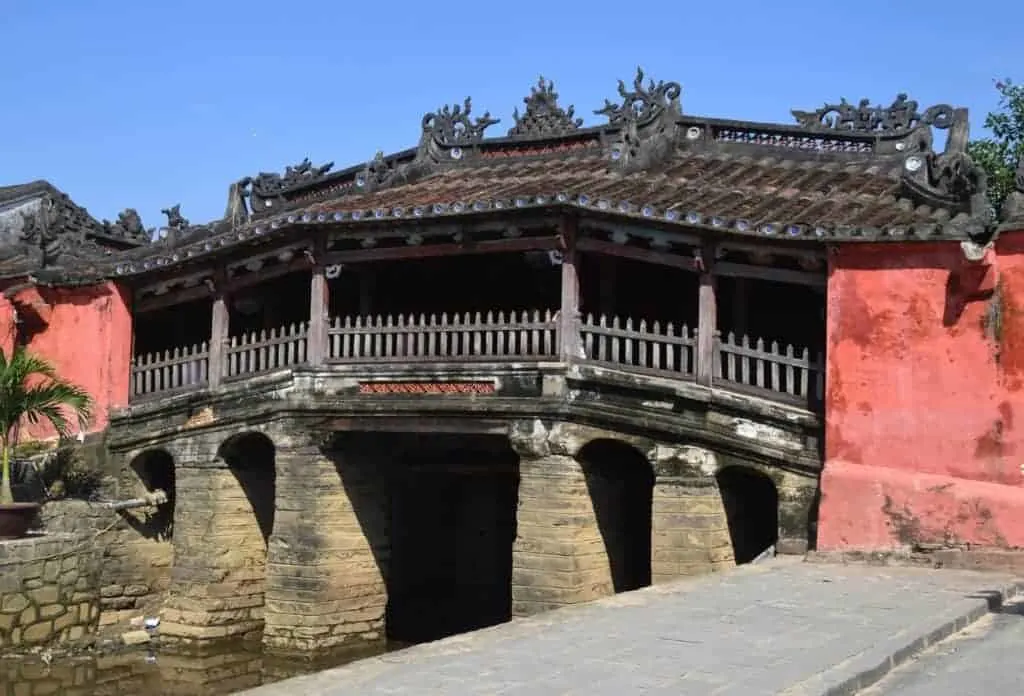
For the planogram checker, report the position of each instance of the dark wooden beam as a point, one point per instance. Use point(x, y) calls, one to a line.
point(434, 250)
point(175, 297)
point(777, 275)
point(300, 263)
point(598, 246)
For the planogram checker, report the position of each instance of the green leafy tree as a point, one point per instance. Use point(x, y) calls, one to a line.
point(998, 154)
point(32, 391)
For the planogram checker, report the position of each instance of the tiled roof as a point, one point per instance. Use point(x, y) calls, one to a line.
point(842, 173)
point(77, 244)
point(741, 192)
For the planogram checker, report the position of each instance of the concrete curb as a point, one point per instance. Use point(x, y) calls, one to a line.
point(867, 668)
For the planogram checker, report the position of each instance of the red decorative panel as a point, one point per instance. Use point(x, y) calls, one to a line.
point(427, 388)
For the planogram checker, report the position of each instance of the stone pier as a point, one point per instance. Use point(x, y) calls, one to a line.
point(223, 514)
point(325, 577)
point(559, 555)
point(689, 531)
point(218, 575)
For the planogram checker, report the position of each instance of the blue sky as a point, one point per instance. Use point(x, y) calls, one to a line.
point(148, 104)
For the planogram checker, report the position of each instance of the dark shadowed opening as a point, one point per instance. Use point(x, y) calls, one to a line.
point(280, 302)
point(621, 485)
point(782, 312)
point(439, 513)
point(185, 324)
point(613, 286)
point(501, 283)
point(155, 468)
point(453, 521)
point(751, 504)
point(250, 457)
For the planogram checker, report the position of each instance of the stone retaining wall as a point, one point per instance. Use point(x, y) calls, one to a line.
point(135, 566)
point(48, 589)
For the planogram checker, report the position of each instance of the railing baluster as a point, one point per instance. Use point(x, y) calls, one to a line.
point(774, 366)
point(501, 336)
point(657, 346)
point(805, 358)
point(477, 336)
point(790, 371)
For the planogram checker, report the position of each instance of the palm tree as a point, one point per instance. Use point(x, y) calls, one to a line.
point(31, 390)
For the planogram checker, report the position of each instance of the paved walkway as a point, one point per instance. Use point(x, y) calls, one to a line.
point(984, 660)
point(784, 627)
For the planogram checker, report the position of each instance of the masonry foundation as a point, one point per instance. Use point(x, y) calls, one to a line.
point(223, 514)
point(329, 552)
point(559, 557)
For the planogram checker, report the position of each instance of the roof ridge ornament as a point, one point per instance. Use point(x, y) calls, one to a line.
point(376, 173)
point(267, 188)
point(178, 225)
point(899, 117)
point(951, 177)
point(128, 226)
point(646, 123)
point(56, 230)
point(642, 104)
point(451, 125)
point(543, 116)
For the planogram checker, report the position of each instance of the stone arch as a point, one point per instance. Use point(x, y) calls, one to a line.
point(620, 481)
point(155, 469)
point(251, 459)
point(751, 502)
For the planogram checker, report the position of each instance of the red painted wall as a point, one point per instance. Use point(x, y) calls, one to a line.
point(87, 335)
point(924, 437)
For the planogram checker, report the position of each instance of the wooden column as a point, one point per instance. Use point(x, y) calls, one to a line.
point(569, 325)
point(706, 319)
point(319, 309)
point(218, 337)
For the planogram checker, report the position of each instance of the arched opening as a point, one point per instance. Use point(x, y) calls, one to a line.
point(155, 469)
point(250, 459)
point(751, 504)
point(453, 524)
point(620, 481)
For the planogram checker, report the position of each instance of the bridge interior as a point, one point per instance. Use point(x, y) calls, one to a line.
point(758, 329)
point(610, 286)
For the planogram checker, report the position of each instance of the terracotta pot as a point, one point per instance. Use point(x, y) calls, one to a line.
point(15, 519)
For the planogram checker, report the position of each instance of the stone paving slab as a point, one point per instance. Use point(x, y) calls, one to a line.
point(982, 660)
point(782, 627)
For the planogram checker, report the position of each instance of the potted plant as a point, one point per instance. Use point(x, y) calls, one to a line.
point(31, 390)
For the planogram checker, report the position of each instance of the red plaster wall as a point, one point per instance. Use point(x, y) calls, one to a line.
point(924, 433)
point(88, 339)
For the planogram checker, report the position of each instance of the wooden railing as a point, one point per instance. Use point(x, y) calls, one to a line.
point(494, 336)
point(653, 347)
point(771, 369)
point(669, 350)
point(265, 351)
point(171, 370)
